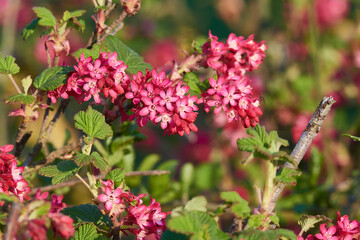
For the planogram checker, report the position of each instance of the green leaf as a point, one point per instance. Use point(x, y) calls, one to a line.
point(192, 81)
point(275, 219)
point(133, 60)
point(93, 124)
point(82, 159)
point(99, 162)
point(248, 144)
point(47, 19)
point(306, 222)
point(192, 223)
point(38, 209)
point(87, 213)
point(61, 172)
point(78, 13)
point(288, 176)
point(352, 137)
point(196, 204)
point(187, 177)
point(117, 175)
point(94, 52)
point(241, 210)
point(86, 232)
point(168, 235)
point(254, 234)
point(198, 43)
point(231, 197)
point(52, 78)
point(7, 198)
point(8, 65)
point(255, 221)
point(21, 98)
point(30, 28)
point(3, 217)
point(26, 83)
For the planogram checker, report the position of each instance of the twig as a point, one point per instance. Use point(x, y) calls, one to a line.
point(53, 155)
point(114, 27)
point(74, 182)
point(14, 83)
point(19, 146)
point(45, 133)
point(11, 224)
point(306, 139)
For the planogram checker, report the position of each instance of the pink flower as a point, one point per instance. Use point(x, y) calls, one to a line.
point(56, 203)
point(326, 233)
point(110, 197)
point(37, 229)
point(62, 225)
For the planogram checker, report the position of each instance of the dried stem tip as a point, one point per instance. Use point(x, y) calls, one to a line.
point(131, 6)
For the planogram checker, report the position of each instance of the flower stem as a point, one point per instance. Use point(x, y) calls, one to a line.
point(269, 187)
point(14, 83)
point(86, 184)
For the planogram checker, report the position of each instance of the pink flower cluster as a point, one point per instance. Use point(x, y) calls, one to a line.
point(103, 77)
point(62, 225)
point(11, 182)
point(141, 220)
point(343, 230)
point(231, 91)
point(160, 100)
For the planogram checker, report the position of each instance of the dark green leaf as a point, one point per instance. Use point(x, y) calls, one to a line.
point(52, 78)
point(168, 235)
point(133, 60)
point(93, 124)
point(87, 213)
point(21, 98)
point(61, 172)
point(86, 232)
point(8, 65)
point(30, 28)
point(47, 19)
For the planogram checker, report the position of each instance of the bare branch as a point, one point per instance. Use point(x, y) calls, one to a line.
point(11, 225)
point(74, 182)
point(306, 139)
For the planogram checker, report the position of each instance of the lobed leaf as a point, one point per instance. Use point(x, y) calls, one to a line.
point(30, 28)
point(133, 60)
point(196, 204)
point(117, 175)
point(8, 65)
point(254, 234)
point(61, 172)
point(93, 124)
point(87, 213)
point(94, 52)
point(47, 19)
point(21, 98)
point(86, 232)
point(288, 176)
point(52, 78)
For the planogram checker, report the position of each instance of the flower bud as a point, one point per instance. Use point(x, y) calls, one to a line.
point(131, 6)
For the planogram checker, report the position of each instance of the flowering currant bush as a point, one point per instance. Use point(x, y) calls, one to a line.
point(120, 93)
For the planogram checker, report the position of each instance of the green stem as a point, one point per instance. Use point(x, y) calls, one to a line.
point(269, 187)
point(86, 149)
point(86, 185)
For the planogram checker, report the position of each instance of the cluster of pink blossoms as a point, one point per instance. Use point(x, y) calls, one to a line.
point(343, 230)
point(61, 224)
point(158, 99)
point(231, 92)
point(140, 220)
point(11, 182)
point(103, 77)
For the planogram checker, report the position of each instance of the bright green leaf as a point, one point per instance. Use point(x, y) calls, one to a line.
point(198, 43)
point(93, 124)
point(196, 204)
point(231, 197)
point(242, 209)
point(94, 52)
point(52, 78)
point(21, 98)
point(117, 175)
point(26, 83)
point(47, 19)
point(82, 159)
point(42, 208)
point(7, 198)
point(61, 172)
point(67, 15)
point(352, 137)
point(30, 28)
point(192, 81)
point(8, 65)
point(99, 162)
point(133, 60)
point(288, 176)
point(86, 232)
point(306, 222)
point(254, 234)
point(255, 221)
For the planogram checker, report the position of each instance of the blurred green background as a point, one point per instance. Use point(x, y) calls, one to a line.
point(313, 51)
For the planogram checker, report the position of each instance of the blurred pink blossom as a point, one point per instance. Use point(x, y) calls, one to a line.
point(329, 12)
